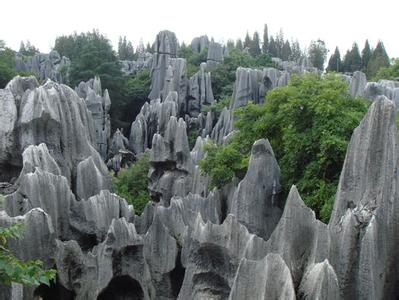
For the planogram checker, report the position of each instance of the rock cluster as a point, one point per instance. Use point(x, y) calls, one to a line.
point(238, 242)
point(45, 66)
point(200, 44)
point(131, 67)
point(359, 87)
point(99, 104)
point(55, 115)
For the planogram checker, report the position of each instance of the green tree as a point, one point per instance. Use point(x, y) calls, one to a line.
point(366, 55)
point(352, 60)
point(254, 48)
point(309, 124)
point(390, 73)
point(286, 51)
point(125, 49)
point(239, 45)
point(132, 184)
point(7, 64)
point(296, 52)
point(29, 273)
point(379, 59)
point(273, 51)
point(265, 45)
point(27, 49)
point(247, 41)
point(334, 64)
point(136, 90)
point(317, 54)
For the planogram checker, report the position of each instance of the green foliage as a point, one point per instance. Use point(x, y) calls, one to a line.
point(317, 54)
point(12, 269)
point(335, 63)
point(379, 59)
point(27, 49)
point(223, 75)
point(135, 91)
point(132, 184)
point(309, 124)
point(366, 55)
point(265, 39)
point(221, 164)
point(7, 65)
point(390, 73)
point(352, 60)
point(193, 58)
point(125, 49)
point(217, 107)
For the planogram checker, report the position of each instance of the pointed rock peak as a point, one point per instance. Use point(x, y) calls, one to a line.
point(18, 85)
point(370, 165)
point(320, 282)
point(294, 200)
point(262, 147)
point(97, 85)
point(38, 157)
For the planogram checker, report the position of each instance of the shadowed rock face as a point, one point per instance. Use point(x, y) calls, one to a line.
point(200, 91)
point(199, 44)
point(99, 104)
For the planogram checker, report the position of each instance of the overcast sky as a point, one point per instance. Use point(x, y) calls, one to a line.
point(337, 22)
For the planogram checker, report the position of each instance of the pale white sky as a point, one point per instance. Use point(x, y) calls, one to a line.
point(338, 22)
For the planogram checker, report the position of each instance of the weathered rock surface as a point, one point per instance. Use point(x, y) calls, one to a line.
point(266, 279)
point(131, 67)
point(363, 223)
point(99, 104)
point(45, 66)
point(255, 202)
point(200, 44)
point(357, 84)
point(165, 48)
point(52, 114)
point(200, 91)
point(215, 54)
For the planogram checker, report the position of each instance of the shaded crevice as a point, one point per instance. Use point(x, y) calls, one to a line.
point(122, 288)
point(54, 291)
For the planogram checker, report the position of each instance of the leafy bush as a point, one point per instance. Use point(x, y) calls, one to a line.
point(12, 269)
point(132, 184)
point(390, 73)
point(309, 124)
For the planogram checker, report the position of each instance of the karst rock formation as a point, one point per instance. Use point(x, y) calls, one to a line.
point(239, 242)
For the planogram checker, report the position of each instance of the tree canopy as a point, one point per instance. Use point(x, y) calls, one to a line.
point(309, 124)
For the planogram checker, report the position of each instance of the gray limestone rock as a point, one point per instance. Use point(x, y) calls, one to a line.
point(268, 278)
point(255, 202)
point(99, 104)
point(200, 44)
point(165, 48)
point(298, 221)
point(320, 282)
point(45, 66)
point(118, 142)
point(357, 84)
point(52, 114)
point(223, 126)
point(200, 91)
point(362, 225)
point(215, 54)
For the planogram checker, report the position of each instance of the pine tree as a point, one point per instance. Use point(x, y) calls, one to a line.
point(286, 51)
point(230, 44)
point(247, 41)
point(296, 52)
point(265, 40)
point(279, 40)
point(366, 55)
point(335, 63)
point(254, 48)
point(129, 51)
point(22, 48)
point(239, 45)
point(149, 48)
point(273, 47)
point(356, 59)
point(347, 62)
point(379, 59)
